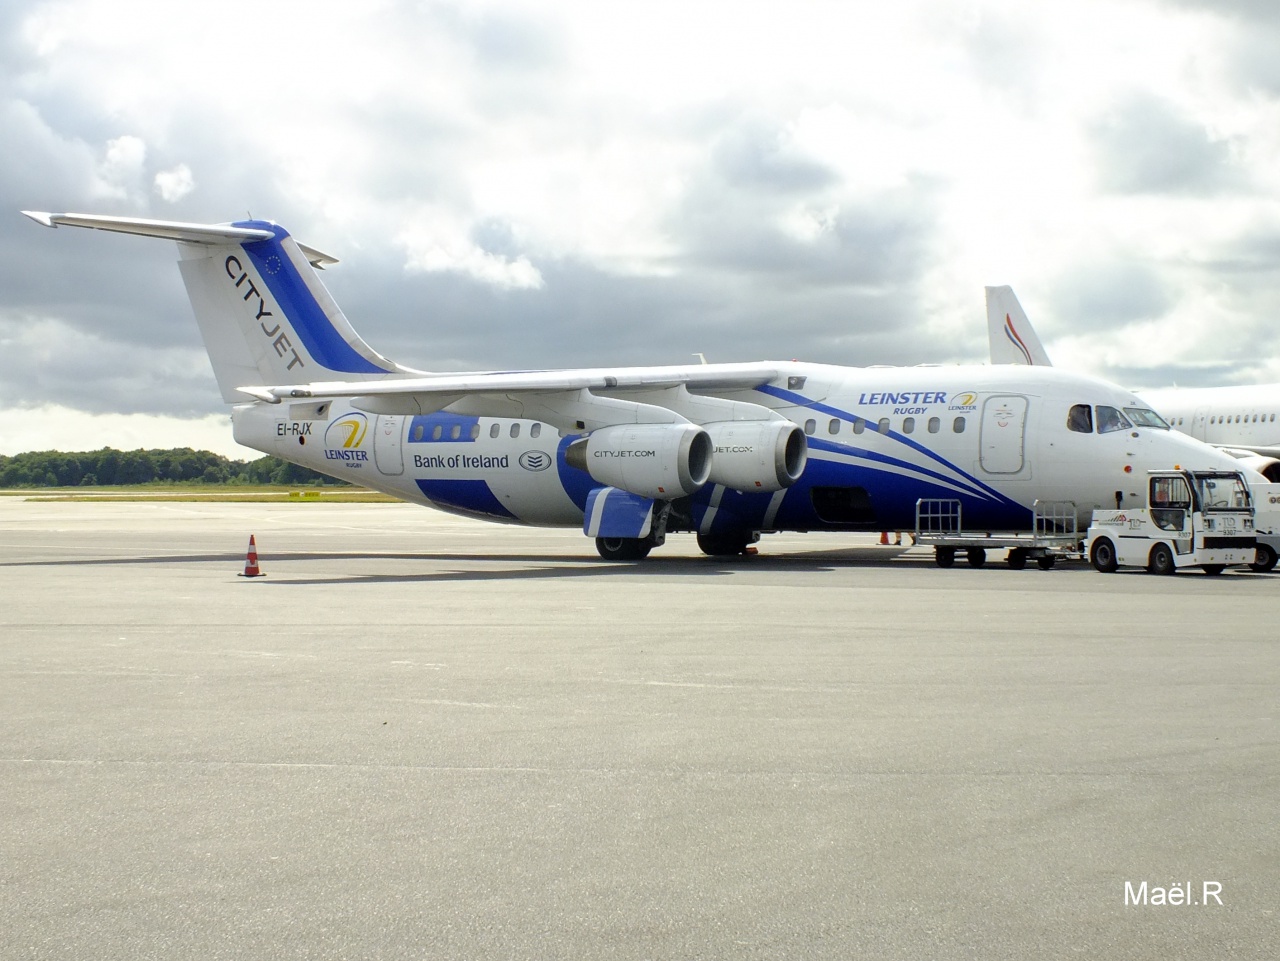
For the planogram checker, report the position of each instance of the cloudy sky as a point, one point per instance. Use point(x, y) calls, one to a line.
point(558, 183)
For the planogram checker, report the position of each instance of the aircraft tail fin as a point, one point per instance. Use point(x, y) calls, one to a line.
point(265, 317)
point(1012, 338)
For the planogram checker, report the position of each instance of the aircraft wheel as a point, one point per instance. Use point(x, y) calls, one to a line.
point(944, 556)
point(1103, 556)
point(1017, 559)
point(723, 545)
point(977, 556)
point(1160, 560)
point(623, 548)
point(1213, 570)
point(1264, 560)
point(1045, 563)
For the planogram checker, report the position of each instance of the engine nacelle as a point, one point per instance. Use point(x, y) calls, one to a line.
point(662, 461)
point(757, 456)
point(1268, 467)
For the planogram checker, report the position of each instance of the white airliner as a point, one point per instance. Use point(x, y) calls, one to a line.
point(631, 454)
point(1241, 420)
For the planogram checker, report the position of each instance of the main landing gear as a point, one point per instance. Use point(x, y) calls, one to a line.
point(726, 545)
point(623, 548)
point(730, 544)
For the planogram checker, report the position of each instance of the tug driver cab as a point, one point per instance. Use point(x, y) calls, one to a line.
point(1170, 500)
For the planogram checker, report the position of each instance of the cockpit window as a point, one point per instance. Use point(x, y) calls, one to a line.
point(1110, 419)
point(1080, 419)
point(1142, 417)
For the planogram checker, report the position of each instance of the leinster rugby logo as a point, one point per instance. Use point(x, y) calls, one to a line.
point(344, 439)
point(535, 460)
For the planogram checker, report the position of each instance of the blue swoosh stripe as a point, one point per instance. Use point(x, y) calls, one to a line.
point(299, 306)
point(801, 401)
point(917, 470)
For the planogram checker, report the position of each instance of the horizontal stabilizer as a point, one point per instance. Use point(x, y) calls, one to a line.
point(171, 230)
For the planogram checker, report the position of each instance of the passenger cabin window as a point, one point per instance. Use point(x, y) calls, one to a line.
point(859, 425)
point(515, 429)
point(455, 432)
point(495, 430)
point(810, 426)
point(1080, 419)
point(1111, 420)
point(883, 426)
point(957, 425)
point(475, 430)
point(417, 432)
point(834, 426)
point(436, 432)
point(908, 425)
point(535, 430)
point(935, 425)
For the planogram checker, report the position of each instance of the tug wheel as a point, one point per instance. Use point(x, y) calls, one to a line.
point(1103, 556)
point(1160, 560)
point(1264, 559)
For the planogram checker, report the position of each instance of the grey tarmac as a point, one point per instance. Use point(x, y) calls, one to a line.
point(421, 736)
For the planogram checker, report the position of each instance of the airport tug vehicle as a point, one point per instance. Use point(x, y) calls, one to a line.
point(1199, 519)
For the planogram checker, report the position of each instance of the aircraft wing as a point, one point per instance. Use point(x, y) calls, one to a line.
point(581, 399)
point(1246, 453)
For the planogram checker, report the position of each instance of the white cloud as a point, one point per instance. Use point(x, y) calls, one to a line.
point(468, 259)
point(172, 185)
point(432, 247)
point(120, 173)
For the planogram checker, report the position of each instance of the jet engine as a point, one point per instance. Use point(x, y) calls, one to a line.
point(757, 456)
point(1268, 467)
point(662, 461)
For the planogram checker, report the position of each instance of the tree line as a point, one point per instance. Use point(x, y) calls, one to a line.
point(112, 468)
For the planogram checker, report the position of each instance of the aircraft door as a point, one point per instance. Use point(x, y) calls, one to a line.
point(387, 451)
point(1200, 424)
point(1003, 434)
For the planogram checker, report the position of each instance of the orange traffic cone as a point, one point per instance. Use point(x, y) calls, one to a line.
point(251, 561)
point(884, 537)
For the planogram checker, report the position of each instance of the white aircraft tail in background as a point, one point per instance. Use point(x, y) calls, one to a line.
point(1013, 339)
